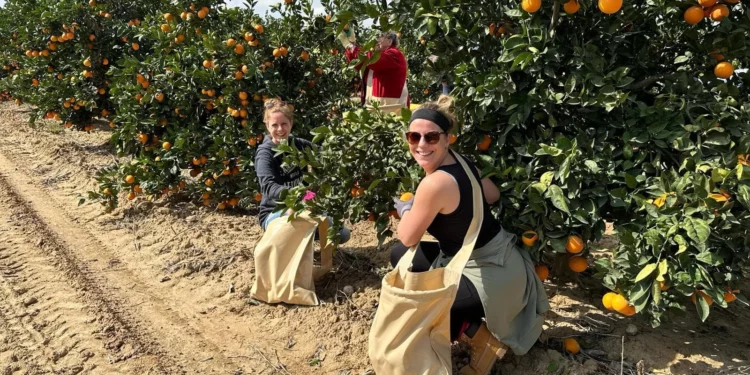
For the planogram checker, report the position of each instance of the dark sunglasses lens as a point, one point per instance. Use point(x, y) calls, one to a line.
point(413, 137)
point(432, 137)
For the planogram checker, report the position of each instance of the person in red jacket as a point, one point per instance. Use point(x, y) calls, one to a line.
point(384, 81)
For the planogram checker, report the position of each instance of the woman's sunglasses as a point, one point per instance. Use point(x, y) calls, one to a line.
point(270, 104)
point(430, 137)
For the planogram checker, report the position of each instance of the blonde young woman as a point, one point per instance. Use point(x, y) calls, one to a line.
point(500, 300)
point(278, 117)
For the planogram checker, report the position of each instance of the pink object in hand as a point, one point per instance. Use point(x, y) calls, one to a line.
point(308, 195)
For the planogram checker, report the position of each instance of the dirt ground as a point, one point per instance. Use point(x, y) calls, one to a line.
point(162, 288)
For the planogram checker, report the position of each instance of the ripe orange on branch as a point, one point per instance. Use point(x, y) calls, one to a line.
point(693, 15)
point(574, 244)
point(531, 6)
point(542, 271)
point(724, 69)
point(578, 264)
point(571, 7)
point(529, 237)
point(610, 6)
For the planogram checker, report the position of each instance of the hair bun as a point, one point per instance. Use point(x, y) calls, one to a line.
point(445, 102)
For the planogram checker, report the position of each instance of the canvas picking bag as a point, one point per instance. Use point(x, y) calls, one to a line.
point(284, 270)
point(410, 334)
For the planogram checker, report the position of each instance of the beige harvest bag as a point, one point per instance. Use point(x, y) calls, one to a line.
point(284, 270)
point(410, 334)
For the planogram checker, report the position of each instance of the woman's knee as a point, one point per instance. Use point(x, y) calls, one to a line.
point(397, 251)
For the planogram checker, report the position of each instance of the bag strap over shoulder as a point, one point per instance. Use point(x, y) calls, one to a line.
point(459, 261)
point(462, 257)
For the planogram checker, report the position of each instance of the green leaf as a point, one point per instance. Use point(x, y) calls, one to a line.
point(743, 195)
point(710, 258)
point(681, 59)
point(682, 243)
point(702, 306)
point(697, 229)
point(591, 165)
point(547, 177)
point(656, 291)
point(663, 268)
point(555, 194)
point(374, 184)
point(646, 272)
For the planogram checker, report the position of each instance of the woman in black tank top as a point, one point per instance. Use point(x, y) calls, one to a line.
point(443, 207)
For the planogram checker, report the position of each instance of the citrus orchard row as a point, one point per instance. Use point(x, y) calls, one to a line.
point(631, 113)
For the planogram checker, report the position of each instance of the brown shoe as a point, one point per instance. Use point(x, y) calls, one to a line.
point(485, 350)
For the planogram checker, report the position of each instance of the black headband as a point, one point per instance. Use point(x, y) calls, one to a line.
point(432, 115)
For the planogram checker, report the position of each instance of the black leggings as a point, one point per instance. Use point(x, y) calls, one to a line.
point(466, 308)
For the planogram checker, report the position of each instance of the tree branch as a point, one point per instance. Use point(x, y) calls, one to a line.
point(646, 82)
point(555, 19)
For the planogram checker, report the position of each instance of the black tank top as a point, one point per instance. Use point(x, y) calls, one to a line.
point(451, 229)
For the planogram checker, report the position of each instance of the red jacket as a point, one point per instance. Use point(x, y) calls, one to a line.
point(388, 73)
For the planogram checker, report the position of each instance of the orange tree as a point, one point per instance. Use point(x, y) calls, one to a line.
point(67, 47)
point(190, 98)
point(590, 112)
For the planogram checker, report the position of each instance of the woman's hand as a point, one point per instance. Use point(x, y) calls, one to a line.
point(402, 206)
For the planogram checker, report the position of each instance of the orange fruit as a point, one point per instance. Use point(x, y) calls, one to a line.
point(318, 71)
point(258, 197)
point(135, 46)
point(574, 245)
point(234, 201)
point(159, 96)
point(729, 297)
point(179, 39)
point(304, 56)
point(610, 6)
point(209, 182)
point(239, 49)
point(207, 64)
point(484, 145)
point(719, 12)
point(572, 6)
point(169, 17)
point(452, 138)
point(249, 36)
point(202, 14)
point(608, 299)
point(542, 271)
point(529, 237)
point(165, 28)
point(707, 3)
point(693, 15)
point(129, 179)
point(663, 286)
point(405, 197)
point(107, 191)
point(166, 145)
point(578, 264)
point(258, 28)
point(222, 206)
point(724, 70)
point(143, 138)
point(131, 196)
point(628, 311)
point(705, 296)
point(531, 6)
point(276, 52)
point(717, 56)
point(619, 302)
point(571, 346)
